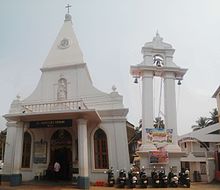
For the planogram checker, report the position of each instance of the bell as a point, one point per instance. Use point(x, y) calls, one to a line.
point(179, 82)
point(135, 80)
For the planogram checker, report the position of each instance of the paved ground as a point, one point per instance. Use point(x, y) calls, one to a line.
point(5, 186)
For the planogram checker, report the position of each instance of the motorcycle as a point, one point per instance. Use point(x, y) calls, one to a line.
point(173, 180)
point(163, 178)
point(121, 180)
point(111, 179)
point(143, 178)
point(184, 179)
point(132, 178)
point(155, 178)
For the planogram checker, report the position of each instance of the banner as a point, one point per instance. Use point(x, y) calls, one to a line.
point(159, 135)
point(158, 157)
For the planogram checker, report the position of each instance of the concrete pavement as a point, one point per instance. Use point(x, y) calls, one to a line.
point(6, 186)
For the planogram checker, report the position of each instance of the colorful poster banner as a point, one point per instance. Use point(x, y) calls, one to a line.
point(159, 135)
point(158, 157)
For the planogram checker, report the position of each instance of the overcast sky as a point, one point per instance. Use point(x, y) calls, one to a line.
point(111, 34)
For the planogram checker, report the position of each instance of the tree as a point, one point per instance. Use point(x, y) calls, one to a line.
point(206, 121)
point(214, 117)
point(158, 123)
point(201, 123)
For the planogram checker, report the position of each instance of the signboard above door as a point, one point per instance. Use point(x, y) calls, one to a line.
point(51, 123)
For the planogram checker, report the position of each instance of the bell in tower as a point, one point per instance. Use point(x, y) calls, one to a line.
point(159, 142)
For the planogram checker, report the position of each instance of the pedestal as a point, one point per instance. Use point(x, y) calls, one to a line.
point(83, 182)
point(15, 179)
point(173, 161)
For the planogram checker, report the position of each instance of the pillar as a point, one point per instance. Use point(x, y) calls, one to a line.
point(83, 181)
point(147, 109)
point(13, 152)
point(170, 109)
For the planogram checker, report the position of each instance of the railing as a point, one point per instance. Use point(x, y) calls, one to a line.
point(54, 106)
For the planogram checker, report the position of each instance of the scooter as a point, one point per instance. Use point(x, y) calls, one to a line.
point(163, 178)
point(121, 180)
point(173, 180)
point(111, 179)
point(184, 179)
point(132, 178)
point(155, 179)
point(143, 178)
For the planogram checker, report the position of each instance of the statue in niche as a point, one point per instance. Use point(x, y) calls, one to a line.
point(62, 89)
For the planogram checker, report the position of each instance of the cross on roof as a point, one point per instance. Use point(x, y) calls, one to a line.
point(68, 8)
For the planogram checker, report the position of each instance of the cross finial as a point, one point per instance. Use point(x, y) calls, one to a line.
point(68, 8)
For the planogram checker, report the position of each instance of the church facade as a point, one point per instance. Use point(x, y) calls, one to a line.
point(66, 119)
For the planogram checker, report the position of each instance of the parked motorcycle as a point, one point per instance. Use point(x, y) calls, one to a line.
point(173, 180)
point(111, 178)
point(121, 180)
point(132, 178)
point(184, 179)
point(163, 178)
point(155, 178)
point(143, 178)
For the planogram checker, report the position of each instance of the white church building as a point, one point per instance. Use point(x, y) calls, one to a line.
point(66, 119)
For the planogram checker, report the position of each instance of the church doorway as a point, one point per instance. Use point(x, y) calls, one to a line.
point(61, 152)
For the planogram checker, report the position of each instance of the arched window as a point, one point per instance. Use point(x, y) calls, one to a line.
point(101, 150)
point(26, 156)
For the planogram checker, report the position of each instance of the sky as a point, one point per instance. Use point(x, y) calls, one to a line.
point(111, 34)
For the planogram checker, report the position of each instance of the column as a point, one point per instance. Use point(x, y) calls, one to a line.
point(9, 148)
point(13, 152)
point(147, 109)
point(18, 148)
point(83, 182)
point(170, 109)
point(121, 145)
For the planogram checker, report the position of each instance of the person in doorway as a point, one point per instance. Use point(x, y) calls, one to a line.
point(56, 169)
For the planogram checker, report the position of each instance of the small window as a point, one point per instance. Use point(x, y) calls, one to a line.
point(100, 150)
point(26, 156)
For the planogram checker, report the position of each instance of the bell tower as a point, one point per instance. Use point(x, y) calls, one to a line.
point(158, 62)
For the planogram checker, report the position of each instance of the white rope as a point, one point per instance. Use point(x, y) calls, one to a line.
point(140, 95)
point(178, 98)
point(160, 97)
point(154, 92)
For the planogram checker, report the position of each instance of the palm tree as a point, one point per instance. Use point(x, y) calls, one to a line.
point(201, 123)
point(158, 123)
point(214, 117)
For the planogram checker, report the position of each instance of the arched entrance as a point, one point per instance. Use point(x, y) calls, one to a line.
point(61, 151)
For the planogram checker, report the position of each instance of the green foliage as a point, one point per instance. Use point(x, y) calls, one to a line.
point(206, 121)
